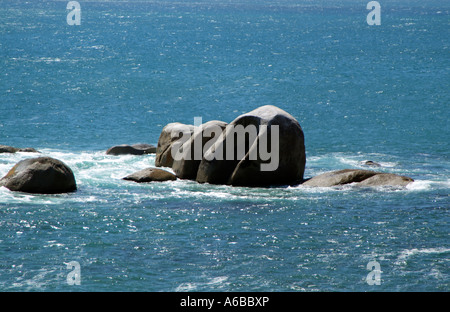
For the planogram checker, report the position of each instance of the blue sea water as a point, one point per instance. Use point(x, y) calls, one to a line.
point(360, 92)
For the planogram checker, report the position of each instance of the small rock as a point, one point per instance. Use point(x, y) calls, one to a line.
point(371, 163)
point(151, 175)
point(136, 149)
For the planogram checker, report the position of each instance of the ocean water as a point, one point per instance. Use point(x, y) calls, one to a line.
point(360, 93)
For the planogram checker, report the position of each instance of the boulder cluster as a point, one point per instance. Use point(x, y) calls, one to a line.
point(261, 148)
point(218, 161)
point(246, 171)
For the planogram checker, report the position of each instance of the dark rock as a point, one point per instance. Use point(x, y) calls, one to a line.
point(251, 170)
point(151, 175)
point(191, 152)
point(371, 163)
point(362, 177)
point(28, 150)
point(136, 149)
point(10, 149)
point(170, 134)
point(42, 175)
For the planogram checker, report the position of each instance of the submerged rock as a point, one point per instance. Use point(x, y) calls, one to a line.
point(151, 175)
point(362, 177)
point(10, 149)
point(136, 149)
point(371, 163)
point(43, 175)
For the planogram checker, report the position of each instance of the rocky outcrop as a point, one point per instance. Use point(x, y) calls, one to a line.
point(10, 149)
point(264, 147)
point(170, 134)
point(136, 149)
point(267, 128)
point(362, 177)
point(151, 175)
point(191, 152)
point(43, 175)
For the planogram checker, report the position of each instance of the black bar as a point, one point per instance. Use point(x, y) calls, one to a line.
point(218, 301)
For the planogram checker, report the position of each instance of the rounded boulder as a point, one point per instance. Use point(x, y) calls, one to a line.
point(41, 175)
point(151, 175)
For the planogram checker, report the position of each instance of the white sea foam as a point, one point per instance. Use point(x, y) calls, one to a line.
point(419, 185)
point(318, 164)
point(98, 175)
point(359, 160)
point(216, 282)
point(7, 196)
point(186, 287)
point(39, 280)
point(407, 253)
point(423, 185)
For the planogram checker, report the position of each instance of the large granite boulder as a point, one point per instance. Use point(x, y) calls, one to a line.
point(151, 175)
point(362, 177)
point(136, 149)
point(43, 175)
point(261, 148)
point(191, 152)
point(10, 149)
point(170, 134)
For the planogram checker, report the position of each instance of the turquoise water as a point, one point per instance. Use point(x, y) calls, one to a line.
point(360, 92)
